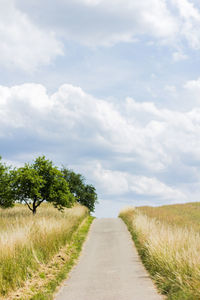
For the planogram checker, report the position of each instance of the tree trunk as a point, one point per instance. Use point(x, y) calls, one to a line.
point(34, 207)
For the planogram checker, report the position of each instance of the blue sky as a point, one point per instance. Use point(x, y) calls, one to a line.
point(108, 88)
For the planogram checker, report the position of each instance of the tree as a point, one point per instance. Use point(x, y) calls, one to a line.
point(6, 199)
point(89, 197)
point(84, 194)
point(39, 182)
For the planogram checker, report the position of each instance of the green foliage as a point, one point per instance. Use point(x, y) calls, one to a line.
point(39, 182)
point(42, 181)
point(84, 194)
point(6, 199)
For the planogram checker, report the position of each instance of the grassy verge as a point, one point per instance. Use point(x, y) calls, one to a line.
point(27, 243)
point(170, 252)
point(49, 277)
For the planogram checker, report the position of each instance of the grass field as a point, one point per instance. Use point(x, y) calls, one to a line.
point(168, 241)
point(28, 242)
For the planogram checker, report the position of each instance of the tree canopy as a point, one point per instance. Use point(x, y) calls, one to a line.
point(84, 194)
point(42, 181)
point(6, 197)
point(39, 182)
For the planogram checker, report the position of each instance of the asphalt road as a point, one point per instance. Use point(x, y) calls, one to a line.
point(109, 267)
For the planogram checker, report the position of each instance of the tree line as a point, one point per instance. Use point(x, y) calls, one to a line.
point(41, 181)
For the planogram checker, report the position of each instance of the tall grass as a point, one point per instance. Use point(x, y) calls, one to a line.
point(169, 251)
point(184, 215)
point(26, 241)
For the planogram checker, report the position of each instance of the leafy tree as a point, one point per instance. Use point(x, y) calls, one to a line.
point(84, 194)
point(39, 182)
point(6, 199)
point(89, 197)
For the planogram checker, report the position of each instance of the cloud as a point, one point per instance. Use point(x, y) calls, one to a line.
point(189, 18)
point(33, 35)
point(171, 89)
point(119, 183)
point(152, 17)
point(106, 23)
point(178, 56)
point(23, 44)
point(128, 149)
point(158, 19)
point(192, 87)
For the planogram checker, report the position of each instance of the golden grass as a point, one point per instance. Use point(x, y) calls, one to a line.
point(169, 249)
point(184, 215)
point(26, 241)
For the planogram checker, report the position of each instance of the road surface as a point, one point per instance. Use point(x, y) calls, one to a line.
point(109, 267)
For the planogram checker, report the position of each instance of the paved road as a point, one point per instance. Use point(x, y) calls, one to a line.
point(109, 267)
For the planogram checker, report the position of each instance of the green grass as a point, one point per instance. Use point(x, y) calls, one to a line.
point(168, 242)
point(73, 251)
point(27, 241)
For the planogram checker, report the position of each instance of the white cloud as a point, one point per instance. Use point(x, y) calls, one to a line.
point(24, 45)
point(171, 89)
point(156, 18)
point(193, 85)
point(106, 23)
point(193, 88)
point(139, 129)
point(189, 19)
point(111, 182)
point(33, 36)
point(119, 183)
point(150, 17)
point(179, 56)
point(187, 9)
point(134, 147)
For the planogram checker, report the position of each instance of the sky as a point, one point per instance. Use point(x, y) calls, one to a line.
point(110, 89)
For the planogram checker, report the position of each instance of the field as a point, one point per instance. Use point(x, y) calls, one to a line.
point(36, 248)
point(168, 241)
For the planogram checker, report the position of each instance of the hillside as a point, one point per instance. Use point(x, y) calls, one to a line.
point(187, 214)
point(168, 241)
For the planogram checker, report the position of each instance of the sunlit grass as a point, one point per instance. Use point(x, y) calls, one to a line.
point(169, 245)
point(26, 241)
point(187, 214)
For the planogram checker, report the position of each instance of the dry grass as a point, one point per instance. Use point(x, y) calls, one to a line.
point(26, 241)
point(169, 249)
point(184, 215)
